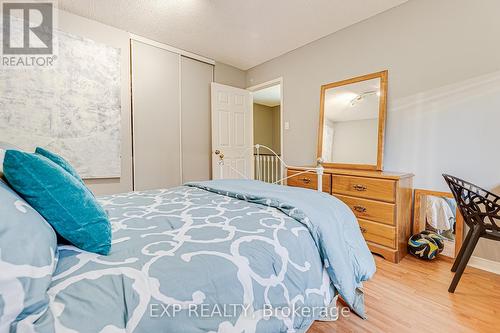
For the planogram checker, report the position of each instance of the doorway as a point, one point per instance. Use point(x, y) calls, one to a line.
point(268, 130)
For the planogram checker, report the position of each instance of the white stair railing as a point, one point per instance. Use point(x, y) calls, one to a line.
point(267, 168)
point(264, 169)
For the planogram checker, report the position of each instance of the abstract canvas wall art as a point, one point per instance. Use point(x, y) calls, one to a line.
point(72, 108)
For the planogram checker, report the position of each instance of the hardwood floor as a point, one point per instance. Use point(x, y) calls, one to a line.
point(413, 296)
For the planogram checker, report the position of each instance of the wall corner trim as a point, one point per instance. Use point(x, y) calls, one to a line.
point(485, 264)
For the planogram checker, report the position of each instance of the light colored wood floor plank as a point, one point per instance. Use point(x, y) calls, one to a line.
point(413, 296)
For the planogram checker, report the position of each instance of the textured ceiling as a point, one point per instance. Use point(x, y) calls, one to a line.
point(242, 33)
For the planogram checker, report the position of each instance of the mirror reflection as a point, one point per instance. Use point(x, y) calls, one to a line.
point(351, 119)
point(438, 213)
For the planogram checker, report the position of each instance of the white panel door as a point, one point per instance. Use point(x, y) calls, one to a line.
point(232, 132)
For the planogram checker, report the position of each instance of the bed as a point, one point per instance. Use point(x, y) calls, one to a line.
point(216, 256)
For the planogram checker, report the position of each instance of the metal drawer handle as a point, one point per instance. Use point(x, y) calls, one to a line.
point(359, 187)
point(363, 230)
point(359, 209)
point(306, 180)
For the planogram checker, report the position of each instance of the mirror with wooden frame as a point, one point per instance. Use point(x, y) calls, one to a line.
point(352, 122)
point(437, 211)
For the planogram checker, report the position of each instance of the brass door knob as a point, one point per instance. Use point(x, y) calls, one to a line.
point(219, 153)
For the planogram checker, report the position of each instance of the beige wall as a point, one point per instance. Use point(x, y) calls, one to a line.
point(444, 89)
point(229, 75)
point(266, 127)
point(276, 110)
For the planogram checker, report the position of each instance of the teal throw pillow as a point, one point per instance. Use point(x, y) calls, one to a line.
point(59, 161)
point(61, 199)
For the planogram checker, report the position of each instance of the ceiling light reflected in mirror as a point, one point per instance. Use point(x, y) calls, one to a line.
point(352, 122)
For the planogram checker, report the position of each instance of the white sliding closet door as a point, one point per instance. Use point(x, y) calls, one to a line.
point(156, 117)
point(196, 77)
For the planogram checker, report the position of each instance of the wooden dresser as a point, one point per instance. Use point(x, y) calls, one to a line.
point(380, 200)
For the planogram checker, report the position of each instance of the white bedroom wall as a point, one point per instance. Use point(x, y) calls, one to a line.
point(444, 89)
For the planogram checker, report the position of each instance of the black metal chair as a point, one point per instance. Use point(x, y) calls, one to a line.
point(481, 212)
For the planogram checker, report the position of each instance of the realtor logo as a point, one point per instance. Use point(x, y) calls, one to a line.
point(37, 26)
point(27, 33)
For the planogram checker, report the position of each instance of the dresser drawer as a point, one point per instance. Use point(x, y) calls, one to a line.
point(378, 233)
point(378, 211)
point(308, 180)
point(370, 188)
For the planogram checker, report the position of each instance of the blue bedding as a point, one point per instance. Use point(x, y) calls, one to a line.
point(330, 222)
point(218, 256)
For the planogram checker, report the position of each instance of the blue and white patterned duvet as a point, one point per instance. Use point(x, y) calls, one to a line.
point(191, 260)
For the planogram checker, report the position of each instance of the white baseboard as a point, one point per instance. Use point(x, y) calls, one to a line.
point(485, 264)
